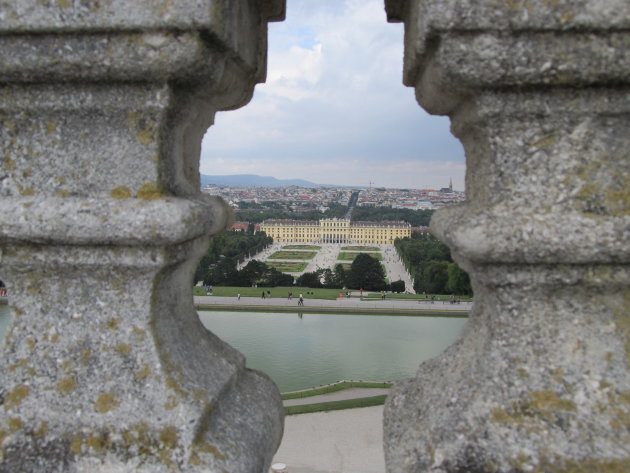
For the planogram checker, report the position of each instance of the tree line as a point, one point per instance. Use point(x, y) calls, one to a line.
point(417, 218)
point(429, 261)
point(267, 211)
point(229, 248)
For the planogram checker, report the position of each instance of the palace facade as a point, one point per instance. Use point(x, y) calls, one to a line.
point(335, 230)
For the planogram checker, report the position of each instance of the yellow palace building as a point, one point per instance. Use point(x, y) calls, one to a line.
point(335, 230)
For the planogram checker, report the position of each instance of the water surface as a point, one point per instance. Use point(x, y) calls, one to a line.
point(313, 349)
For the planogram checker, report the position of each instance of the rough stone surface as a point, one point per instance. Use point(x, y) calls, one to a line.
point(538, 93)
point(105, 365)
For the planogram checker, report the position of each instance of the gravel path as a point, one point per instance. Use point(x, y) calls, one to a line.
point(349, 441)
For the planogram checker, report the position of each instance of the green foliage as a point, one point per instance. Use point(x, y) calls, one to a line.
point(310, 280)
point(367, 273)
point(331, 388)
point(350, 256)
point(288, 266)
point(276, 292)
point(458, 280)
point(256, 213)
point(336, 405)
point(398, 286)
point(254, 273)
point(225, 250)
point(293, 254)
point(417, 218)
point(434, 277)
point(429, 261)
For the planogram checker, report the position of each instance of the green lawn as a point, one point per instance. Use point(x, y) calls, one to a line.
point(361, 248)
point(288, 266)
point(281, 292)
point(350, 256)
point(293, 255)
point(331, 388)
point(336, 405)
point(301, 247)
point(330, 294)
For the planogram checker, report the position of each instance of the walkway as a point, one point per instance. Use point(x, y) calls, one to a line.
point(349, 441)
point(352, 304)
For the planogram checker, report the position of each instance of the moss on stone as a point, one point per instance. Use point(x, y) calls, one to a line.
point(112, 323)
point(14, 398)
point(138, 333)
point(123, 349)
point(42, 429)
point(589, 465)
point(15, 424)
point(105, 403)
point(171, 403)
point(169, 437)
point(541, 406)
point(149, 191)
point(143, 372)
point(121, 192)
point(86, 356)
point(66, 385)
point(172, 383)
point(76, 444)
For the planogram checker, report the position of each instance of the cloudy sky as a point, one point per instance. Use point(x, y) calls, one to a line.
point(333, 109)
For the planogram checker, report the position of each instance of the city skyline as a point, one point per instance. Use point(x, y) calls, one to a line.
point(334, 109)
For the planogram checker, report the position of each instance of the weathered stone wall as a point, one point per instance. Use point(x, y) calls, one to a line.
point(105, 365)
point(539, 94)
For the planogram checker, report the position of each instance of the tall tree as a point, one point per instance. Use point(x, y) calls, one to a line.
point(367, 273)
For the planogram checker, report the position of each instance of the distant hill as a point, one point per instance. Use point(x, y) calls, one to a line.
point(253, 180)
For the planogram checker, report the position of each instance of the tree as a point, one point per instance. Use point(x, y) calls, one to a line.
point(309, 280)
point(458, 280)
point(366, 272)
point(253, 273)
point(398, 286)
point(274, 278)
point(435, 277)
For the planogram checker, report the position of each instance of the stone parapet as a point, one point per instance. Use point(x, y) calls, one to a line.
point(106, 366)
point(538, 93)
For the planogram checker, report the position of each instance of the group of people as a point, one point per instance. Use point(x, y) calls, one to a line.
point(266, 294)
point(300, 298)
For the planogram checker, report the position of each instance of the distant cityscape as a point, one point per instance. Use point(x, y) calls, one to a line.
point(320, 198)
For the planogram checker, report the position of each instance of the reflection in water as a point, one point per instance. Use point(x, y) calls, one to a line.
point(300, 352)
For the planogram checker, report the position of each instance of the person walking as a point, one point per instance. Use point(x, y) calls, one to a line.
point(263, 295)
point(238, 296)
point(301, 300)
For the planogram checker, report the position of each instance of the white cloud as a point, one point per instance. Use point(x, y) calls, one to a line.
point(292, 74)
point(334, 109)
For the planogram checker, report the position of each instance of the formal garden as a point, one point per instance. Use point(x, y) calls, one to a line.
point(350, 256)
point(361, 248)
point(288, 266)
point(289, 254)
point(301, 247)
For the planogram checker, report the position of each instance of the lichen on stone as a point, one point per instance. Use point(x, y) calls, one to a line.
point(106, 402)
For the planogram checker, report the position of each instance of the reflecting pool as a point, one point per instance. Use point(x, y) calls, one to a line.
point(303, 350)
